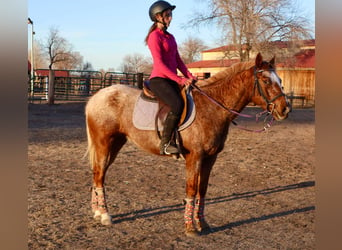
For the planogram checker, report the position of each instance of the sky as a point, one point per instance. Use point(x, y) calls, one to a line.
point(105, 31)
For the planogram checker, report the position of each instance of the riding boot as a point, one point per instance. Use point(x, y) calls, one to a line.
point(166, 145)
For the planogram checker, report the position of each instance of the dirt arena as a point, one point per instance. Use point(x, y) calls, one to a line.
point(261, 192)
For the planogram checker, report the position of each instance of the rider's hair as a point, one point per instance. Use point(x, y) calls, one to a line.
point(152, 28)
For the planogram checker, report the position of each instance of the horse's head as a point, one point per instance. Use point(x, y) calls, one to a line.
point(268, 90)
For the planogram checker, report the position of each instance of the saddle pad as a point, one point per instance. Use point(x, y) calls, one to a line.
point(146, 111)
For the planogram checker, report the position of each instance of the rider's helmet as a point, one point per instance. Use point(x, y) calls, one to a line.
point(159, 7)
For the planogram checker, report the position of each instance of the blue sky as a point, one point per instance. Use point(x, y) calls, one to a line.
point(104, 31)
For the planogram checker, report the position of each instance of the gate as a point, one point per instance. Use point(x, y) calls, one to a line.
point(78, 85)
point(132, 79)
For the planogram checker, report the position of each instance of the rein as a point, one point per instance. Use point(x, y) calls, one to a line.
point(257, 116)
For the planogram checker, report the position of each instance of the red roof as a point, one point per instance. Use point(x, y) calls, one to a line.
point(303, 59)
point(279, 44)
point(310, 42)
point(58, 73)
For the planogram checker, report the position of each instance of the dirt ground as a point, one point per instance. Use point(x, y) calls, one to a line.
point(261, 191)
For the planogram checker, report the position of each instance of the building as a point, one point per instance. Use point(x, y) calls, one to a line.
point(217, 59)
point(297, 72)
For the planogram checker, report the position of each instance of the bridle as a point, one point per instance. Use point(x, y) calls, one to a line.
point(261, 92)
point(267, 124)
point(269, 103)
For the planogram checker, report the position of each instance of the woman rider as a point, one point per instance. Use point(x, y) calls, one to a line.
point(164, 81)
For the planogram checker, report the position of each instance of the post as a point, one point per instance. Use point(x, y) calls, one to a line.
point(46, 89)
point(87, 85)
point(51, 89)
point(140, 79)
point(291, 98)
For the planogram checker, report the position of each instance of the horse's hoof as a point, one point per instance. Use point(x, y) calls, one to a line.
point(106, 219)
point(97, 215)
point(204, 227)
point(190, 231)
point(206, 230)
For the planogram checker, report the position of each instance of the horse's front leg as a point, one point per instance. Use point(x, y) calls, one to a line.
point(193, 165)
point(207, 164)
point(199, 219)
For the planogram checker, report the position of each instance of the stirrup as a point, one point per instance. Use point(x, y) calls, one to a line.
point(168, 149)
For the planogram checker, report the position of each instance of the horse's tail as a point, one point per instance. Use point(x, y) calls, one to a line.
point(90, 149)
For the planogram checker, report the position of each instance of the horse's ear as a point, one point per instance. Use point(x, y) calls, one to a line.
point(272, 62)
point(258, 60)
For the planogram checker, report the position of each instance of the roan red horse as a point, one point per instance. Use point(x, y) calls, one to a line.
point(109, 125)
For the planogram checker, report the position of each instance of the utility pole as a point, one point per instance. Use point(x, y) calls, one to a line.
point(32, 57)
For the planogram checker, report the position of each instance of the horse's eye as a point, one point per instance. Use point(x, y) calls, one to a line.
point(267, 81)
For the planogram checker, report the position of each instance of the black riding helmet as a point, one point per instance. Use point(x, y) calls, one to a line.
point(159, 7)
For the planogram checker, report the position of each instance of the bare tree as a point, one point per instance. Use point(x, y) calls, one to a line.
point(39, 58)
point(60, 53)
point(87, 66)
point(190, 49)
point(136, 63)
point(247, 24)
point(74, 60)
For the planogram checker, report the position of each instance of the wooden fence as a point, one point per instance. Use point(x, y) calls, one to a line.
point(299, 85)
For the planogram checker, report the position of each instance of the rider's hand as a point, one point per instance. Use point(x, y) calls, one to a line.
point(194, 78)
point(186, 81)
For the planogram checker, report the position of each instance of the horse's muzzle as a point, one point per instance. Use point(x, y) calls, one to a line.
point(283, 115)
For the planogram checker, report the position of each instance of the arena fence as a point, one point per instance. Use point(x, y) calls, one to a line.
point(77, 85)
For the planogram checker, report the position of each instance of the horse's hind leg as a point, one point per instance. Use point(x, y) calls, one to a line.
point(105, 150)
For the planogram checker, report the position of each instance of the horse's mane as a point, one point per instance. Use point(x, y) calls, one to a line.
point(227, 73)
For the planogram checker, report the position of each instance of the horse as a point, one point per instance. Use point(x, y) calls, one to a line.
point(109, 125)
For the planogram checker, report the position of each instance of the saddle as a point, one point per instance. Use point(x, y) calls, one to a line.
point(150, 112)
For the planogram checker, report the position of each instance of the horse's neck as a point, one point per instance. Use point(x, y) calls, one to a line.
point(235, 92)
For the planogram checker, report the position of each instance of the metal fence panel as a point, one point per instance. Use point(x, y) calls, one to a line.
point(78, 85)
point(69, 85)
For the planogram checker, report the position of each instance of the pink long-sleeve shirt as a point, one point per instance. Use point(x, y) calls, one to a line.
point(166, 59)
